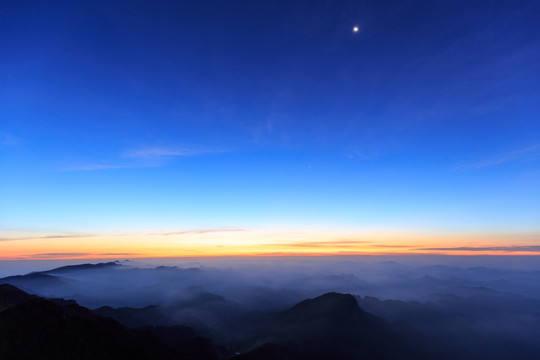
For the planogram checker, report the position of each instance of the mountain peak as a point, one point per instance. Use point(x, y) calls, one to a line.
point(332, 304)
point(87, 266)
point(12, 296)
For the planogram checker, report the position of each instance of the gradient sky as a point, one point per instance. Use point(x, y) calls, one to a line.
point(171, 128)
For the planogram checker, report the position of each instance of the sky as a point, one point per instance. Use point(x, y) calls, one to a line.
point(204, 128)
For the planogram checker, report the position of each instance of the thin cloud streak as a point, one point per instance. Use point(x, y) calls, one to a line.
point(8, 139)
point(530, 152)
point(80, 254)
point(46, 237)
point(321, 244)
point(393, 246)
point(167, 152)
point(63, 254)
point(532, 248)
point(197, 232)
point(119, 254)
point(146, 157)
point(92, 167)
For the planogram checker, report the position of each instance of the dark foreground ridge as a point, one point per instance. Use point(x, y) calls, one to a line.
point(333, 326)
point(11, 296)
point(329, 326)
point(35, 328)
point(68, 268)
point(169, 313)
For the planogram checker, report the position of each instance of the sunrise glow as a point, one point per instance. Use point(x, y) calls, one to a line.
point(251, 130)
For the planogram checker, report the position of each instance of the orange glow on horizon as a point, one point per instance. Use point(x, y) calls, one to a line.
point(242, 243)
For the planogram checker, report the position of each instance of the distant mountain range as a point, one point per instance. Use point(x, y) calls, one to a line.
point(176, 322)
point(32, 327)
point(330, 326)
point(333, 326)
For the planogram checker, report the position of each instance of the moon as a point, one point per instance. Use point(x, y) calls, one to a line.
point(355, 29)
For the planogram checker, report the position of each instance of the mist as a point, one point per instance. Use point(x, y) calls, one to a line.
point(277, 282)
point(487, 305)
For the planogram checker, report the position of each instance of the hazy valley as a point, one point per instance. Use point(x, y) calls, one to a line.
point(277, 309)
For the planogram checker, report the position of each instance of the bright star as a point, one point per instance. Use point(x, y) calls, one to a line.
point(355, 29)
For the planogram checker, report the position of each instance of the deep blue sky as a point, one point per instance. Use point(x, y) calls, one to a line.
point(141, 116)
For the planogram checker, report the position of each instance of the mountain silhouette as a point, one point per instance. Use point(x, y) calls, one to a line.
point(333, 326)
point(11, 296)
point(80, 267)
point(483, 324)
point(32, 279)
point(133, 317)
point(194, 306)
point(35, 328)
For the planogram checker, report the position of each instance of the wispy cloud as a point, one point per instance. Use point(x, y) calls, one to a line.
point(118, 254)
point(321, 244)
point(8, 139)
point(528, 153)
point(75, 254)
point(393, 246)
point(91, 167)
point(168, 152)
point(528, 248)
point(80, 254)
point(196, 232)
point(48, 237)
point(144, 157)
